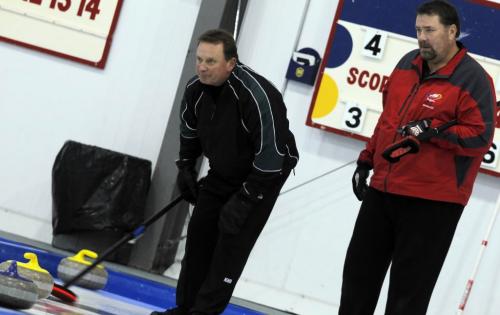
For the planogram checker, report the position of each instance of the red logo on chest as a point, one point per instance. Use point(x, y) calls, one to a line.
point(432, 99)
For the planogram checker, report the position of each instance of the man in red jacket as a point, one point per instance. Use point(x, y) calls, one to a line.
point(411, 209)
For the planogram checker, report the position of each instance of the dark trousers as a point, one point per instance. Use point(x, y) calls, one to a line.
point(213, 261)
point(411, 233)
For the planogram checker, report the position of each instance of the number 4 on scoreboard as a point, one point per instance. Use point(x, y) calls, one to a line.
point(374, 43)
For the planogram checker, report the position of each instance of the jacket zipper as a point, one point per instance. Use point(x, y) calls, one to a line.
point(411, 95)
point(406, 104)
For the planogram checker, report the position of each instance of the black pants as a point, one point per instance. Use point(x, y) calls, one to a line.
point(411, 233)
point(213, 261)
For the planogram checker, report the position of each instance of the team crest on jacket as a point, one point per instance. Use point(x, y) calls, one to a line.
point(431, 99)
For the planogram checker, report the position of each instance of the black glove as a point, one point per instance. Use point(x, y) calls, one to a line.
point(186, 179)
point(235, 212)
point(421, 129)
point(416, 128)
point(359, 178)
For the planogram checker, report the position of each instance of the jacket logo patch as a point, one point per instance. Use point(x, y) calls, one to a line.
point(434, 97)
point(431, 99)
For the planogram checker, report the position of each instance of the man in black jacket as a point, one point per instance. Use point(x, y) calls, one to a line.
point(237, 119)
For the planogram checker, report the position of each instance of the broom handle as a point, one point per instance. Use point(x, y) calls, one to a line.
point(138, 231)
point(484, 243)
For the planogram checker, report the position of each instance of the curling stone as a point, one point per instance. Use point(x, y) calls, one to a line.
point(69, 267)
point(15, 291)
point(31, 270)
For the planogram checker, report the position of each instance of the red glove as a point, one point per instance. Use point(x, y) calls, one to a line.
point(415, 132)
point(397, 150)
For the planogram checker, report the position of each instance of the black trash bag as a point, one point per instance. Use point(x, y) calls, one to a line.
point(97, 189)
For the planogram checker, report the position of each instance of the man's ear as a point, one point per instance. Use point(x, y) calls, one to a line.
point(232, 63)
point(453, 31)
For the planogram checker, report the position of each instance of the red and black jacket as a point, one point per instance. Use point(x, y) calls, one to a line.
point(446, 166)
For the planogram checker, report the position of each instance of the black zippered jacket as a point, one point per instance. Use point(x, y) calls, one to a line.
point(244, 133)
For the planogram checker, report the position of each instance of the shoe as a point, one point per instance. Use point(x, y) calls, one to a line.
point(172, 311)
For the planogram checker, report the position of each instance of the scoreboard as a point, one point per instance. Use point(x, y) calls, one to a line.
point(366, 41)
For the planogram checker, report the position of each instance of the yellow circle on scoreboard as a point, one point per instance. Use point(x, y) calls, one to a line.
point(328, 95)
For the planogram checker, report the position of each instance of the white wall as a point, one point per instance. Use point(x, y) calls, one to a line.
point(125, 107)
point(297, 262)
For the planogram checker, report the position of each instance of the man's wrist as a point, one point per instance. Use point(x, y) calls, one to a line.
point(364, 164)
point(250, 194)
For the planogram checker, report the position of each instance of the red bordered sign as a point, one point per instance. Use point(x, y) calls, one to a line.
point(79, 30)
point(366, 41)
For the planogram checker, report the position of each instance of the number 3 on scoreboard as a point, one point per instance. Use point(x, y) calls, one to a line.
point(374, 43)
point(354, 116)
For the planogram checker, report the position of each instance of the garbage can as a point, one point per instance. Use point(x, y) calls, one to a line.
point(98, 195)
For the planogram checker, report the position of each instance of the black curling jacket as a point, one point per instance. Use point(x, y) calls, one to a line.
point(244, 132)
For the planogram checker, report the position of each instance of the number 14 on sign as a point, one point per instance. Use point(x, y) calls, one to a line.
point(90, 6)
